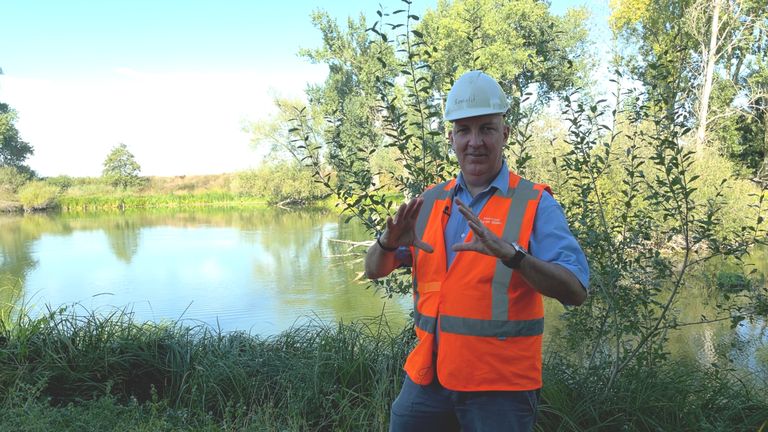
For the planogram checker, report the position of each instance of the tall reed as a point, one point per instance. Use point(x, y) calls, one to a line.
point(323, 376)
point(318, 376)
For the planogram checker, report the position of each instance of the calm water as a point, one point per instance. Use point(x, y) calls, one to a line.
point(259, 271)
point(252, 270)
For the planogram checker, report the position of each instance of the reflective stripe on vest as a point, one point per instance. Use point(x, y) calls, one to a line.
point(425, 322)
point(491, 328)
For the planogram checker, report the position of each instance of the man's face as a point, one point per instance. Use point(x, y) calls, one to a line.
point(479, 144)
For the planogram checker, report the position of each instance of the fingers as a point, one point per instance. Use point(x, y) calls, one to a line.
point(400, 213)
point(400, 226)
point(390, 223)
point(426, 247)
point(474, 222)
point(466, 212)
point(459, 247)
point(412, 210)
point(477, 228)
point(408, 212)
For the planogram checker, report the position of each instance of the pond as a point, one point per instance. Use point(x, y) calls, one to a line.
point(261, 271)
point(254, 270)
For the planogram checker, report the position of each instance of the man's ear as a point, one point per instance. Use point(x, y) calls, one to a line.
point(506, 132)
point(450, 138)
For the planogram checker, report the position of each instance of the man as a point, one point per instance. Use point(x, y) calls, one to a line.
point(484, 248)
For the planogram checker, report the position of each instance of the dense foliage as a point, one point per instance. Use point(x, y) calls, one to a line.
point(716, 52)
point(636, 183)
point(281, 184)
point(13, 150)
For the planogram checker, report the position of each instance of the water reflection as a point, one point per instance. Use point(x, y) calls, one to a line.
point(123, 236)
point(717, 341)
point(256, 270)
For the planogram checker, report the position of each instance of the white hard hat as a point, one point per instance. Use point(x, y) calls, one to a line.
point(475, 94)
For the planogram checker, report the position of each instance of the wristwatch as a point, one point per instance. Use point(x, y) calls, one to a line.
point(517, 258)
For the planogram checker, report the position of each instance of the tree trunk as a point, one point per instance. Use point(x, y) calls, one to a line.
point(706, 90)
point(762, 173)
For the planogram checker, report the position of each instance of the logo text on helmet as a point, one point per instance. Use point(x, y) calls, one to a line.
point(466, 100)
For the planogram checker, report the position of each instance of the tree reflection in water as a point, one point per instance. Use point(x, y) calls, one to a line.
point(282, 265)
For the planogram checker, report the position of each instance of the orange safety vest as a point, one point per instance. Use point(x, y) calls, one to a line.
point(491, 320)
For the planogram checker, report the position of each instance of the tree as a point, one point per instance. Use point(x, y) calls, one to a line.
point(719, 50)
point(518, 42)
point(274, 132)
point(13, 150)
point(121, 168)
point(348, 99)
point(387, 84)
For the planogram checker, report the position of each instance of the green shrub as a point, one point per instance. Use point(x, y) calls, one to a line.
point(316, 376)
point(12, 179)
point(63, 182)
point(38, 195)
point(675, 396)
point(279, 183)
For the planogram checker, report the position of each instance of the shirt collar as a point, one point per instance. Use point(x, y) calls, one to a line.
point(501, 182)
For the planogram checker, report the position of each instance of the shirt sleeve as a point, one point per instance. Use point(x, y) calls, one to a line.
point(404, 257)
point(552, 241)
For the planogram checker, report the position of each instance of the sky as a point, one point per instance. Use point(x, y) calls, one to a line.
point(175, 80)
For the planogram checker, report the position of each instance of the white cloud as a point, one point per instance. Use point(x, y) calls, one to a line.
point(174, 123)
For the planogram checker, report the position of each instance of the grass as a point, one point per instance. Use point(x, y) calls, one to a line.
point(313, 377)
point(123, 200)
point(676, 396)
point(89, 371)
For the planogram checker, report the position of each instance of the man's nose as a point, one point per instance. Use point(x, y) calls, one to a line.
point(475, 138)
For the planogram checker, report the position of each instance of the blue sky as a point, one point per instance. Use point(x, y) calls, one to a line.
point(174, 80)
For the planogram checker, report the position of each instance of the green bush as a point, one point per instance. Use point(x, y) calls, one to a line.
point(63, 182)
point(38, 195)
point(279, 183)
point(11, 180)
point(314, 377)
point(675, 396)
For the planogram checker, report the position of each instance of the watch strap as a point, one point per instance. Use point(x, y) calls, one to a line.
point(517, 258)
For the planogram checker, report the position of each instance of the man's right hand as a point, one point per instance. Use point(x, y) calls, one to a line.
point(401, 230)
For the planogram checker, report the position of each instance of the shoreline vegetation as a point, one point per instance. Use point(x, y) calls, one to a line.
point(72, 369)
point(87, 194)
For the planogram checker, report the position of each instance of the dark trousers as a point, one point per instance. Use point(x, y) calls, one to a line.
point(435, 408)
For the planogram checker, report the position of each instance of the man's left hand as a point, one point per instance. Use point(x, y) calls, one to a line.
point(484, 240)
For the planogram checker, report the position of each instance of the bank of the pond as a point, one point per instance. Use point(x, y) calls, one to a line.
point(67, 371)
point(134, 201)
point(127, 201)
point(264, 188)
